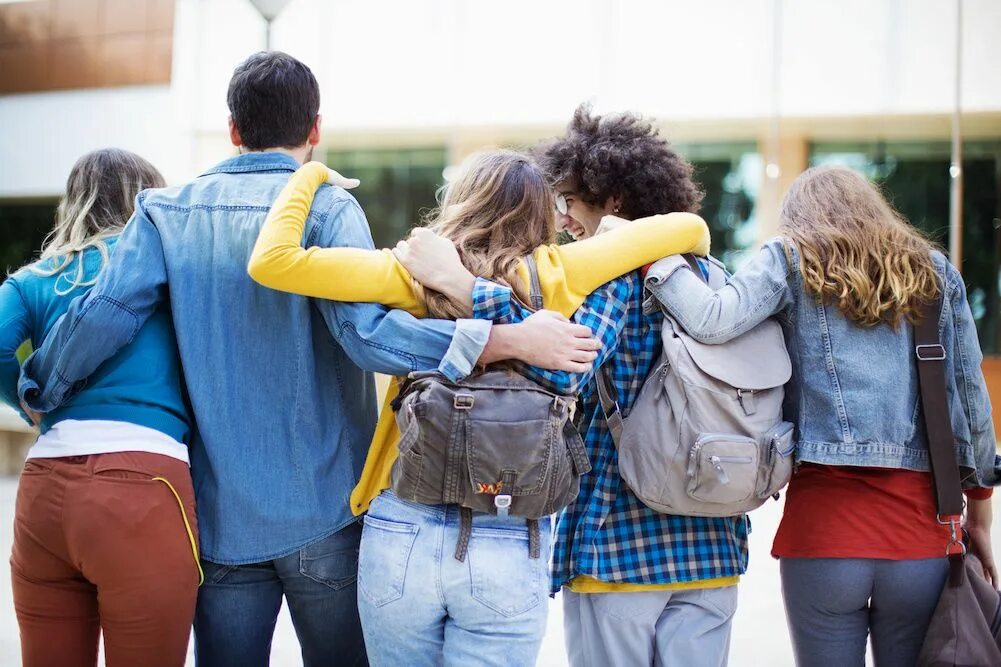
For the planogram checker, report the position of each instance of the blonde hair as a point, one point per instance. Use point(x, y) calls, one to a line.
point(496, 210)
point(99, 200)
point(855, 250)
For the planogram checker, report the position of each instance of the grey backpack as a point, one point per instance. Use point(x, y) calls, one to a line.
point(706, 436)
point(494, 442)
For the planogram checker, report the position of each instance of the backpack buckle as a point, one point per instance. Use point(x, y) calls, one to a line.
point(463, 401)
point(933, 352)
point(503, 503)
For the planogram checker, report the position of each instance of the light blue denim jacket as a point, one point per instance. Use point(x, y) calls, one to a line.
point(853, 395)
point(284, 415)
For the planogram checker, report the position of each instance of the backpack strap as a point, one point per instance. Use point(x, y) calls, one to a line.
point(930, 356)
point(535, 293)
point(465, 532)
point(609, 406)
point(534, 538)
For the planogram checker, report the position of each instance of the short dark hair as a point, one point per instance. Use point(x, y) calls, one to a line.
point(274, 100)
point(621, 155)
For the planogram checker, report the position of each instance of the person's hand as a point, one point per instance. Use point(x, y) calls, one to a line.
point(610, 222)
point(335, 178)
point(547, 339)
point(978, 526)
point(35, 417)
point(434, 262)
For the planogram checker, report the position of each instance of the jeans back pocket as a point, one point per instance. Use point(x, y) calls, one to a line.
point(504, 577)
point(383, 558)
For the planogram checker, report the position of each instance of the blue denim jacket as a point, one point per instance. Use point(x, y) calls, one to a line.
point(284, 414)
point(854, 390)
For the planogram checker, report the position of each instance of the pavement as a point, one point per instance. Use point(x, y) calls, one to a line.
point(760, 637)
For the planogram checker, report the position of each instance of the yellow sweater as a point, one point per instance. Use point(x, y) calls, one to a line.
point(567, 273)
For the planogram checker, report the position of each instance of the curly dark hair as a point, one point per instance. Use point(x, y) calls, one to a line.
point(620, 155)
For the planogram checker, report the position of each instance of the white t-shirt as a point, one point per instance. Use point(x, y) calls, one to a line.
point(73, 437)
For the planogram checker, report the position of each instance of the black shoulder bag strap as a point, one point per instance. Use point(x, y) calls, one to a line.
point(930, 356)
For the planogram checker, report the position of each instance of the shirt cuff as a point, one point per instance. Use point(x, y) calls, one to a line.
point(491, 301)
point(467, 345)
point(33, 396)
point(979, 493)
point(663, 269)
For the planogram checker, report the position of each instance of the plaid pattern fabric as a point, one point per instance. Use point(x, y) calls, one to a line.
point(608, 533)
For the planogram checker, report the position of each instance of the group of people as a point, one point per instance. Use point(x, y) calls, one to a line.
point(169, 384)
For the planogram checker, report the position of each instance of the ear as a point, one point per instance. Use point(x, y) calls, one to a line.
point(234, 134)
point(314, 133)
point(614, 204)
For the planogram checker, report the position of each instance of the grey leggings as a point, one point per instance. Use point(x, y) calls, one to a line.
point(833, 604)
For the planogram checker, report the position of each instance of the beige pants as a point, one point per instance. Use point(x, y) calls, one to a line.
point(671, 628)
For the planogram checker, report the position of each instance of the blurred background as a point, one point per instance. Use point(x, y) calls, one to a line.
point(751, 91)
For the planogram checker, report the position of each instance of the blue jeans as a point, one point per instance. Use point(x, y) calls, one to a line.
point(238, 606)
point(420, 606)
point(834, 604)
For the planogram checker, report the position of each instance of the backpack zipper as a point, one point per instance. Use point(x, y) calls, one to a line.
point(718, 461)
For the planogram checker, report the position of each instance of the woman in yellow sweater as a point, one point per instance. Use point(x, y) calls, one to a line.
point(496, 211)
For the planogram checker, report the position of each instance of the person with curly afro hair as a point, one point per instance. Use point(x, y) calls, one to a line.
point(616, 164)
point(639, 587)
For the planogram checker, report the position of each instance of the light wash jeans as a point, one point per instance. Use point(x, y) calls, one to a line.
point(420, 606)
point(834, 604)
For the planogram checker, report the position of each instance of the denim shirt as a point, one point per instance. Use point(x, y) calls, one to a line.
point(284, 414)
point(853, 395)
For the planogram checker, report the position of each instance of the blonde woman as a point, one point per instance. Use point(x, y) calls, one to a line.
point(860, 547)
point(104, 526)
point(417, 605)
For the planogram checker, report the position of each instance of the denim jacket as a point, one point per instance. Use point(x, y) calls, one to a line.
point(284, 414)
point(853, 395)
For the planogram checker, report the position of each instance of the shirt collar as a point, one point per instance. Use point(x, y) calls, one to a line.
point(255, 162)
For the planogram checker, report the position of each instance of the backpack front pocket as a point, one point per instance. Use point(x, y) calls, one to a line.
point(722, 468)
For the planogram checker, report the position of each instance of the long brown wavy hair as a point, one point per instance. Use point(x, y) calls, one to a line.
point(855, 250)
point(100, 194)
point(496, 210)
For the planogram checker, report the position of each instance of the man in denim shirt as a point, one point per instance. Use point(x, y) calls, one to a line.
point(284, 417)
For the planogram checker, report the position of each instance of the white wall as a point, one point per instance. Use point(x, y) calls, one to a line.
point(42, 134)
point(390, 63)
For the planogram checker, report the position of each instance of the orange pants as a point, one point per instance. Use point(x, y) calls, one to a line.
point(99, 545)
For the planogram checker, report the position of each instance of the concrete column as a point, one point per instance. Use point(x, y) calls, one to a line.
point(792, 157)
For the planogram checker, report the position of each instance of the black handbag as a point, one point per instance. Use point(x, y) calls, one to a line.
point(965, 629)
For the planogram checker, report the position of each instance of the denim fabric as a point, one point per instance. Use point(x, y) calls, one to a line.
point(284, 417)
point(854, 390)
point(238, 606)
point(834, 604)
point(421, 606)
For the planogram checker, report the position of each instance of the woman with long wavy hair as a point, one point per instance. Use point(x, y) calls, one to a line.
point(861, 549)
point(418, 604)
point(104, 525)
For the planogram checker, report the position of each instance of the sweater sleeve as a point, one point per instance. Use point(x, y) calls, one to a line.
point(569, 273)
point(14, 331)
point(340, 274)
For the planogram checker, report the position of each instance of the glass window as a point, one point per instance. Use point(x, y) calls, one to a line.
point(730, 174)
point(23, 227)
point(915, 177)
point(397, 186)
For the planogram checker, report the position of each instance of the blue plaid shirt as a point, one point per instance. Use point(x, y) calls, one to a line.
point(608, 533)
